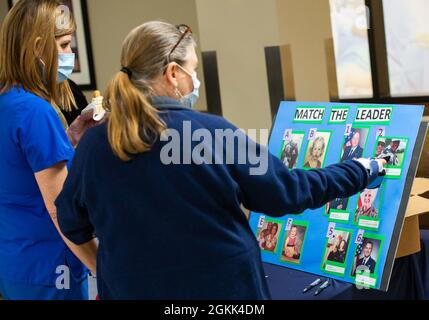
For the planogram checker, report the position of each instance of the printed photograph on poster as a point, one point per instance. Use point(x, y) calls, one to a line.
point(337, 210)
point(395, 148)
point(380, 146)
point(367, 213)
point(317, 150)
point(293, 245)
point(291, 148)
point(338, 204)
point(366, 254)
point(336, 249)
point(354, 143)
point(268, 234)
point(84, 71)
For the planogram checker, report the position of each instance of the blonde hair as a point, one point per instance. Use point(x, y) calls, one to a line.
point(66, 99)
point(134, 124)
point(28, 50)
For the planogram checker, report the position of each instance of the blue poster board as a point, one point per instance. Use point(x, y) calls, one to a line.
point(348, 239)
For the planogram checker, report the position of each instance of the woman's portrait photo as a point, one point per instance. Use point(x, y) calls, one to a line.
point(268, 235)
point(294, 242)
point(337, 246)
point(317, 150)
point(368, 204)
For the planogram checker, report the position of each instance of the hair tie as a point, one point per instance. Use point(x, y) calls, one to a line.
point(127, 71)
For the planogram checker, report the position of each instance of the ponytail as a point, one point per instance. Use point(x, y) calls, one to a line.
point(134, 124)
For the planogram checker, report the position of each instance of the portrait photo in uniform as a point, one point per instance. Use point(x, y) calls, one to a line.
point(317, 150)
point(291, 149)
point(394, 148)
point(381, 145)
point(366, 255)
point(293, 244)
point(369, 203)
point(337, 204)
point(268, 235)
point(354, 144)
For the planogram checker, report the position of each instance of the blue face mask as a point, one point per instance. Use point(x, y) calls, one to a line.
point(65, 66)
point(191, 99)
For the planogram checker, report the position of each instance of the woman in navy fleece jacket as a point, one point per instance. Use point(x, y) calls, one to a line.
point(178, 231)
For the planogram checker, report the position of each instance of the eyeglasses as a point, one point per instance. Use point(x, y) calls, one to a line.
point(184, 29)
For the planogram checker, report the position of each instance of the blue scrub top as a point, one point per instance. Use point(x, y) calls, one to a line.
point(32, 139)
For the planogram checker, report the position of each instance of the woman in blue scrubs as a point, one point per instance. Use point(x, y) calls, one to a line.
point(36, 262)
point(170, 225)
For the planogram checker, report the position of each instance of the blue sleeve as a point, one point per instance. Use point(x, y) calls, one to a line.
point(42, 137)
point(277, 191)
point(72, 214)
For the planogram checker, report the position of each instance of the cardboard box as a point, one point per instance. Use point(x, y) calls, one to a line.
point(418, 209)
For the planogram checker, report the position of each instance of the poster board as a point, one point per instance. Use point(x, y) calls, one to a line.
point(354, 239)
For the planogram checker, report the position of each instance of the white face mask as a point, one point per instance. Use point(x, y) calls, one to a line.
point(191, 99)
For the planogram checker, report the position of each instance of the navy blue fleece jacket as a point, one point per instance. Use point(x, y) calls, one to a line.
point(178, 231)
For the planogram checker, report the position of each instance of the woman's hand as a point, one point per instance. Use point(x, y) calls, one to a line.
point(79, 127)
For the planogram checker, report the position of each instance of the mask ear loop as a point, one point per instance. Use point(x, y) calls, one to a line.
point(177, 92)
point(189, 74)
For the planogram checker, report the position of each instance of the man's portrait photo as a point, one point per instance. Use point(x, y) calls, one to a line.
point(366, 255)
point(393, 148)
point(354, 144)
point(337, 204)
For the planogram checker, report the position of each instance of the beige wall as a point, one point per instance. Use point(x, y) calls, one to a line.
point(305, 24)
point(239, 30)
point(3, 9)
point(111, 20)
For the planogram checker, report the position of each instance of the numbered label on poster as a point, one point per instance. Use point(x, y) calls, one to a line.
point(289, 224)
point(261, 221)
point(348, 129)
point(312, 134)
point(331, 229)
point(359, 237)
point(288, 135)
point(381, 132)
